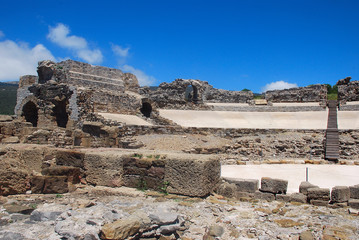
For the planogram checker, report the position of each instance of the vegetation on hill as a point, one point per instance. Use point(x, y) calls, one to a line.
point(332, 92)
point(7, 98)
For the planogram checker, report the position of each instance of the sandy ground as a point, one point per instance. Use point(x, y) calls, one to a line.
point(259, 120)
point(325, 176)
point(128, 119)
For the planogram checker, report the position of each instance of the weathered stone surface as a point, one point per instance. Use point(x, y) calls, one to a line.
point(227, 189)
point(264, 196)
point(298, 197)
point(120, 229)
point(344, 81)
point(192, 176)
point(70, 158)
point(306, 235)
point(319, 194)
point(304, 186)
point(5, 118)
point(16, 208)
point(73, 173)
point(244, 185)
point(10, 140)
point(276, 186)
point(40, 216)
point(49, 184)
point(163, 218)
point(353, 203)
point(104, 169)
point(13, 181)
point(354, 191)
point(340, 194)
point(348, 92)
point(323, 203)
point(216, 231)
point(283, 197)
point(27, 80)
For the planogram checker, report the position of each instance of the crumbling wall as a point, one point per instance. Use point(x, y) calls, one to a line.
point(312, 93)
point(225, 96)
point(348, 91)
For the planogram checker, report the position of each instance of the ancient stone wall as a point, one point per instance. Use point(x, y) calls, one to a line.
point(348, 92)
point(225, 96)
point(312, 93)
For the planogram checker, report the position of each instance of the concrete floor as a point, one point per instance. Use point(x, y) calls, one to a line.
point(253, 120)
point(324, 176)
point(127, 119)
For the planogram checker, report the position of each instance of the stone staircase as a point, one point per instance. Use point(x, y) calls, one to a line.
point(332, 135)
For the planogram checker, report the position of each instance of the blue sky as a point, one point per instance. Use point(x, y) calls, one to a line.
point(231, 44)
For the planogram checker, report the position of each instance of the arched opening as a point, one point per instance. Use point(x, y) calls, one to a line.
point(61, 113)
point(29, 111)
point(191, 94)
point(146, 109)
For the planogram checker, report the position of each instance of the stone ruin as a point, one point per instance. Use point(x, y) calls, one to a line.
point(348, 91)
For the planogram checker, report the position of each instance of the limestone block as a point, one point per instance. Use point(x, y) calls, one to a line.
point(282, 197)
point(13, 181)
point(104, 169)
point(354, 191)
point(27, 80)
point(319, 202)
point(244, 185)
point(192, 175)
point(227, 189)
point(304, 186)
point(319, 194)
point(49, 184)
point(264, 196)
point(298, 197)
point(10, 140)
point(353, 203)
point(73, 173)
point(5, 118)
point(273, 185)
point(340, 194)
point(70, 158)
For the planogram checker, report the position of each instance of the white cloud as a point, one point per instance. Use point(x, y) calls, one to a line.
point(143, 79)
point(120, 51)
point(19, 59)
point(2, 34)
point(279, 85)
point(60, 36)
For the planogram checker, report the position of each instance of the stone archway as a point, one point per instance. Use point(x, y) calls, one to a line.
point(191, 94)
point(30, 113)
point(60, 113)
point(146, 109)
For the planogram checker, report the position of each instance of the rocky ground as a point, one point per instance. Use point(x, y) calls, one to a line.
point(124, 213)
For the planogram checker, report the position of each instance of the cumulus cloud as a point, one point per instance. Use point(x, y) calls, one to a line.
point(2, 34)
point(60, 35)
point(120, 51)
point(19, 59)
point(143, 79)
point(279, 85)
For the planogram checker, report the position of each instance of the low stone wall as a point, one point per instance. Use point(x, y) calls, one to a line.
point(275, 189)
point(226, 96)
point(183, 174)
point(269, 108)
point(312, 93)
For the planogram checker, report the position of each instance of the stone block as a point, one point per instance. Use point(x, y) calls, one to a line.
point(104, 169)
point(10, 140)
point(272, 185)
point(49, 184)
point(227, 189)
point(73, 173)
point(241, 195)
point(70, 158)
point(319, 203)
point(13, 181)
point(304, 186)
point(192, 175)
point(298, 197)
point(353, 203)
point(319, 194)
point(340, 194)
point(354, 191)
point(264, 196)
point(244, 185)
point(282, 197)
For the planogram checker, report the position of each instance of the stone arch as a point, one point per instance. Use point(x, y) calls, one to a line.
point(30, 113)
point(191, 93)
point(146, 109)
point(60, 113)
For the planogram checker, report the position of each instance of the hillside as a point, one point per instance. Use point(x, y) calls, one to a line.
point(7, 98)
